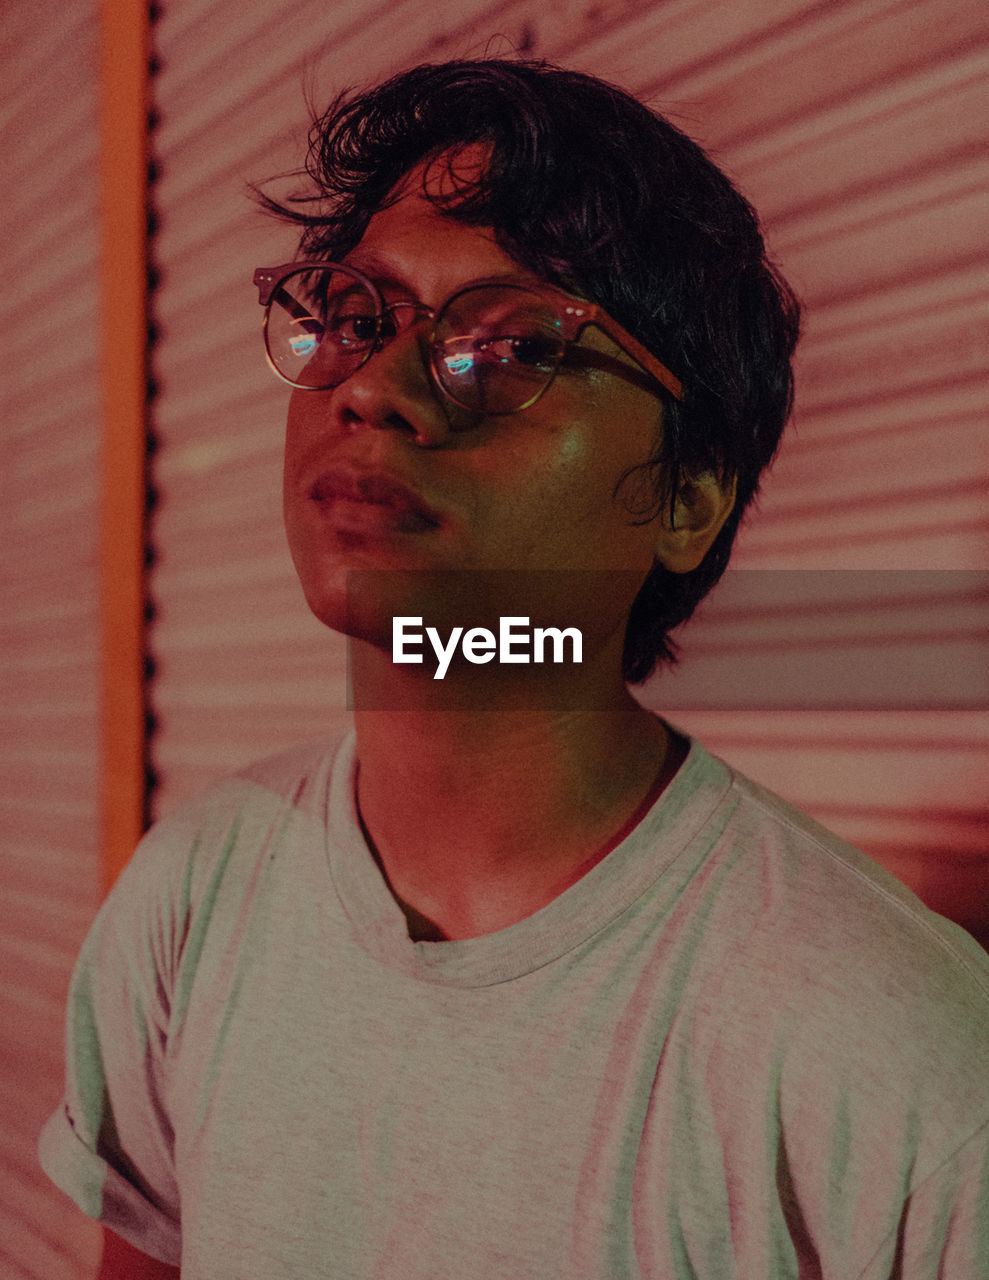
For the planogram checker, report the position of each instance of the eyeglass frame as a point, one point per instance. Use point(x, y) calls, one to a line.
point(573, 315)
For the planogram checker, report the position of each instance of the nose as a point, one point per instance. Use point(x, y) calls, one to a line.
point(393, 389)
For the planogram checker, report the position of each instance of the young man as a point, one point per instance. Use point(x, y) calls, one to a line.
point(517, 981)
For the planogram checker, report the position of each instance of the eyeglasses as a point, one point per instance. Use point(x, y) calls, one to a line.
point(493, 347)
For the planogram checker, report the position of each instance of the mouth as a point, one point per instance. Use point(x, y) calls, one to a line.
point(359, 498)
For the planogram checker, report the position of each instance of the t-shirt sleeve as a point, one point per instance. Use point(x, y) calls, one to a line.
point(944, 1229)
point(110, 1145)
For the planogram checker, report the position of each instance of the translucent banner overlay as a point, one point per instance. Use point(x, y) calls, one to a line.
point(762, 640)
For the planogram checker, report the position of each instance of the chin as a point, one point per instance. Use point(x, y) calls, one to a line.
point(361, 603)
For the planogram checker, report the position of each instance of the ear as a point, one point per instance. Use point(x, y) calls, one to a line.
point(703, 504)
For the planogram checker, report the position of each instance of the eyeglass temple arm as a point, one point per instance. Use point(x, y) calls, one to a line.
point(269, 294)
point(582, 314)
point(270, 290)
point(632, 373)
point(655, 368)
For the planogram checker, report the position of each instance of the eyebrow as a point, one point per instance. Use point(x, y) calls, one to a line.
point(376, 269)
point(385, 275)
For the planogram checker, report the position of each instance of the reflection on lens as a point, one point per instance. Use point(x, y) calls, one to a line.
point(496, 348)
point(322, 325)
point(459, 365)
point(303, 345)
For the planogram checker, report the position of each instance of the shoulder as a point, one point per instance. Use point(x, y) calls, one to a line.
point(242, 807)
point(841, 981)
point(196, 880)
point(787, 872)
point(202, 859)
point(833, 901)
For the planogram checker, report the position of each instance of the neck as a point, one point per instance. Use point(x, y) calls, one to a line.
point(480, 817)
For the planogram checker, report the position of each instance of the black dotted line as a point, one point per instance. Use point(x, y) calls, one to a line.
point(151, 440)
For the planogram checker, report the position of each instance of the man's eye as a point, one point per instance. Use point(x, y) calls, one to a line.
point(352, 330)
point(521, 351)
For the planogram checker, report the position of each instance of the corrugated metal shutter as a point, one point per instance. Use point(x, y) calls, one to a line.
point(856, 128)
point(49, 619)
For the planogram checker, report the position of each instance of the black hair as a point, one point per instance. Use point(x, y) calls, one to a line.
point(595, 192)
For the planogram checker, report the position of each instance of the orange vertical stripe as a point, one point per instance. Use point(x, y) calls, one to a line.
point(123, 148)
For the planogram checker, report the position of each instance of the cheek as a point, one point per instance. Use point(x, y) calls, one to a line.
point(299, 428)
point(290, 491)
point(584, 485)
point(305, 437)
point(295, 505)
point(580, 475)
point(564, 515)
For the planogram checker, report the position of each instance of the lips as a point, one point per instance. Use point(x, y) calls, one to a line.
point(372, 497)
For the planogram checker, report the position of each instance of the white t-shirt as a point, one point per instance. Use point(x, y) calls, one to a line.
point(735, 1048)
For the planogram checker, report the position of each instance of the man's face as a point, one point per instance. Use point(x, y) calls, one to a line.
point(382, 472)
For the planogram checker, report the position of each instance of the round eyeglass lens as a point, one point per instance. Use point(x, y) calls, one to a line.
point(322, 325)
point(496, 348)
